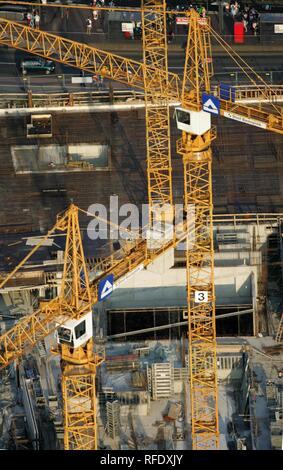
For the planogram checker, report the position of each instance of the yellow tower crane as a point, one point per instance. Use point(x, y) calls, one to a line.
point(72, 309)
point(70, 316)
point(195, 149)
point(194, 146)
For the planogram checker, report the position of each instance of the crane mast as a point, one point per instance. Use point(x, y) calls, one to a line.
point(75, 345)
point(195, 150)
point(156, 86)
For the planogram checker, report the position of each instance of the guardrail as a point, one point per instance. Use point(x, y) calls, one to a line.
point(247, 94)
point(260, 93)
point(37, 100)
point(251, 94)
point(258, 218)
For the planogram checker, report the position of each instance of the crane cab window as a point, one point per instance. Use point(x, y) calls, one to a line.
point(64, 335)
point(183, 116)
point(80, 329)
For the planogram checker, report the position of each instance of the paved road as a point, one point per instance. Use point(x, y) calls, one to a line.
point(72, 24)
point(11, 80)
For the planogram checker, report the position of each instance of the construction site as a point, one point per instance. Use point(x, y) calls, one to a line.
point(141, 248)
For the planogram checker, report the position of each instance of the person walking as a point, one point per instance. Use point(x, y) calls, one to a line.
point(37, 20)
point(133, 30)
point(31, 20)
point(28, 17)
point(100, 82)
point(82, 74)
point(245, 22)
point(170, 36)
point(255, 27)
point(88, 26)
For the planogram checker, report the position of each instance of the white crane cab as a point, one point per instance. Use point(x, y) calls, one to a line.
point(193, 122)
point(75, 332)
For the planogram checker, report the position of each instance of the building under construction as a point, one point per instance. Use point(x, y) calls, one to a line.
point(158, 336)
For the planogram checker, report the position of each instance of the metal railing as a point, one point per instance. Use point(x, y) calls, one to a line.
point(258, 218)
point(259, 93)
point(37, 100)
point(87, 98)
point(251, 93)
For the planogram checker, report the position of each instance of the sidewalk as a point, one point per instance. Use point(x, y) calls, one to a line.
point(177, 48)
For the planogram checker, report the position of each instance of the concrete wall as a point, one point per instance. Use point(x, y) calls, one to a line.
point(160, 286)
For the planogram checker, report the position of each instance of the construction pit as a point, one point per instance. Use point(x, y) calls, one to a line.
point(142, 386)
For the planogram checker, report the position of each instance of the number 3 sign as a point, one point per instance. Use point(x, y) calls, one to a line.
point(201, 296)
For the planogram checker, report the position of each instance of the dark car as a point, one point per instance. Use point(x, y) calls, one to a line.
point(230, 428)
point(37, 65)
point(231, 445)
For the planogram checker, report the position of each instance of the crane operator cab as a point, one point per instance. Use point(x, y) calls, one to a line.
point(75, 333)
point(193, 122)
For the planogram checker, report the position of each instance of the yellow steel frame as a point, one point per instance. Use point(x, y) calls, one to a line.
point(197, 158)
point(74, 292)
point(279, 332)
point(79, 366)
point(159, 171)
point(198, 64)
point(23, 336)
point(69, 304)
point(80, 55)
point(79, 406)
point(118, 68)
point(76, 298)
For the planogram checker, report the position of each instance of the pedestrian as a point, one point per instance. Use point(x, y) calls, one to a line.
point(245, 22)
point(237, 8)
point(170, 36)
point(95, 15)
point(100, 81)
point(32, 21)
point(88, 26)
point(28, 17)
point(233, 10)
point(255, 27)
point(82, 74)
point(132, 33)
point(137, 30)
point(37, 20)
